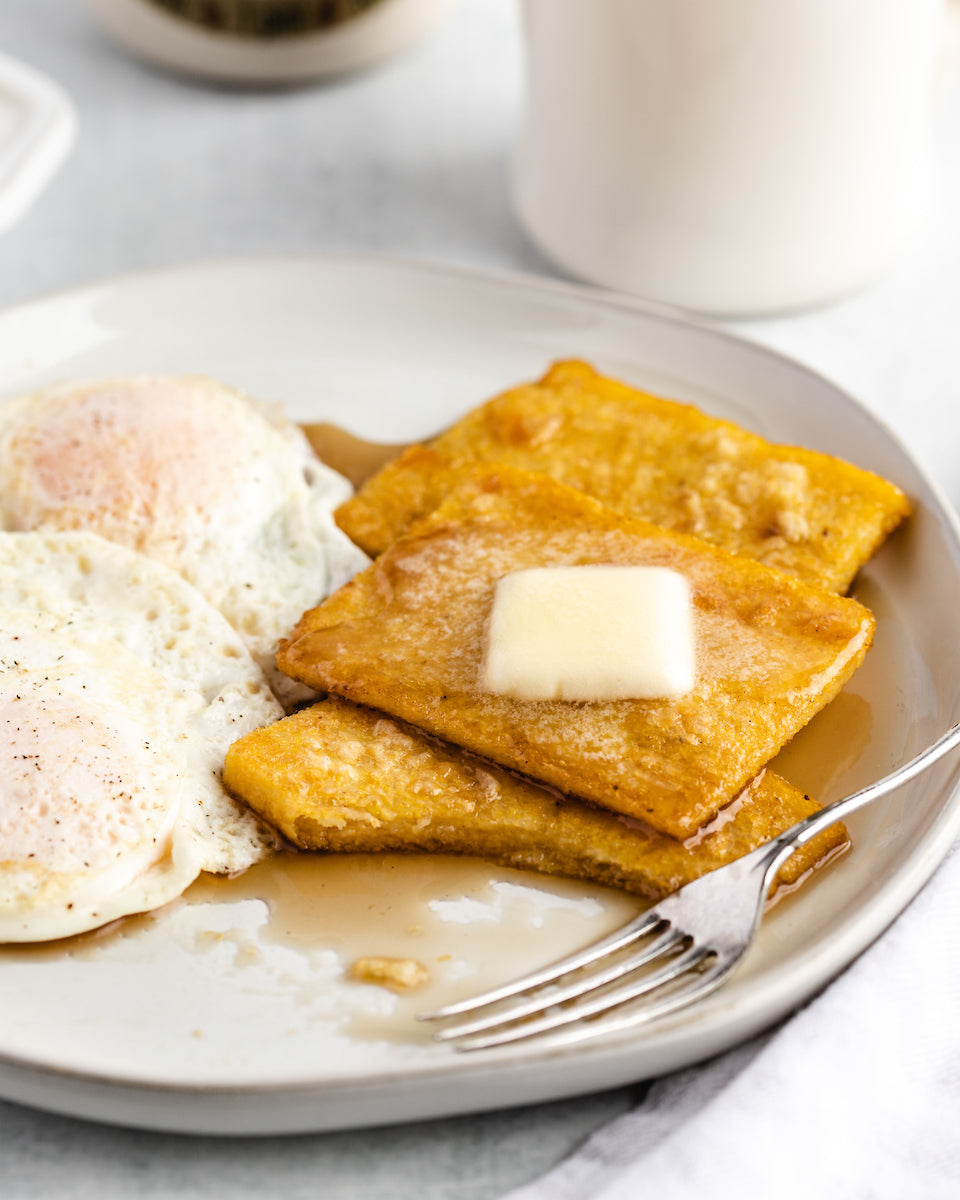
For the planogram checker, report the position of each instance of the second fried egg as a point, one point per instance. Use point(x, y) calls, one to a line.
point(120, 691)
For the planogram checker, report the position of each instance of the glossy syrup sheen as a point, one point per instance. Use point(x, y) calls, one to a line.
point(353, 457)
point(471, 924)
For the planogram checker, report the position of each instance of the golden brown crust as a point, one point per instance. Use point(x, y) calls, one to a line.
point(806, 513)
point(406, 637)
point(398, 974)
point(342, 778)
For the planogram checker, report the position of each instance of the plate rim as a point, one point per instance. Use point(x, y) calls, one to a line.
point(831, 959)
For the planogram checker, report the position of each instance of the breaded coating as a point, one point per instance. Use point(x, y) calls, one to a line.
point(338, 777)
point(406, 637)
point(397, 974)
point(806, 513)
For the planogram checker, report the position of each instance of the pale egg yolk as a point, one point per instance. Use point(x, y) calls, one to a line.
point(145, 462)
point(83, 794)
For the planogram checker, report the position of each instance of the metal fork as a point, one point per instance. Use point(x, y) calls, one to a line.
point(689, 944)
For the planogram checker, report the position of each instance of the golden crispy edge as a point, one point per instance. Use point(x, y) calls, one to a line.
point(761, 593)
point(343, 778)
point(843, 519)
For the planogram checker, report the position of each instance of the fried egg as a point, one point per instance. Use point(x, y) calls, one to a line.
point(120, 690)
point(211, 483)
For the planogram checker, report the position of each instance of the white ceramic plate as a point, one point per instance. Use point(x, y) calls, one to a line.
point(210, 1019)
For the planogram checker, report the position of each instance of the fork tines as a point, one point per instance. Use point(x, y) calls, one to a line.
point(540, 1002)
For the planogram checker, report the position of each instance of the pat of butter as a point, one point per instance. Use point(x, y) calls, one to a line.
point(590, 633)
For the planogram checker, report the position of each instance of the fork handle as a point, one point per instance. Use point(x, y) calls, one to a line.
point(780, 848)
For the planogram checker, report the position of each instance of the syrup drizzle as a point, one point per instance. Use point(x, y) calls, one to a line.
point(353, 457)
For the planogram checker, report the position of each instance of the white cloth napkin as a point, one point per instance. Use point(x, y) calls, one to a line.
point(855, 1097)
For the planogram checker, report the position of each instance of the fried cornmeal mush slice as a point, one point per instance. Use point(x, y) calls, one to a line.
point(804, 512)
point(406, 636)
point(343, 778)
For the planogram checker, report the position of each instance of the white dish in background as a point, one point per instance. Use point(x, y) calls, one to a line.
point(239, 43)
point(37, 128)
point(201, 1020)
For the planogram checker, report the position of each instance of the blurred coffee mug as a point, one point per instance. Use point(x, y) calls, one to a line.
point(728, 156)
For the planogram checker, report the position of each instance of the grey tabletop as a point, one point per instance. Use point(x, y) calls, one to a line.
point(409, 159)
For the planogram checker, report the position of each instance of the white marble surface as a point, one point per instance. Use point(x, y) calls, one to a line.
point(411, 159)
